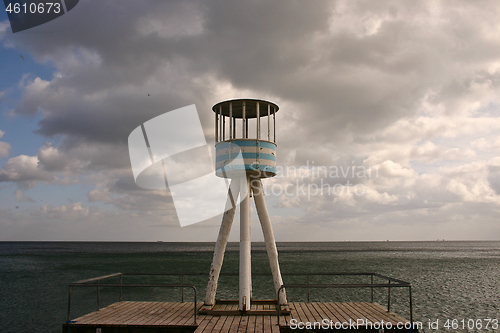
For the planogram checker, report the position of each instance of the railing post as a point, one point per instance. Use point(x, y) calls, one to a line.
point(182, 289)
point(121, 282)
point(389, 297)
point(98, 307)
point(411, 305)
point(371, 288)
point(307, 288)
point(195, 305)
point(69, 303)
point(278, 306)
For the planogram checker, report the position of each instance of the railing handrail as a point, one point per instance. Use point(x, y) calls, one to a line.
point(97, 278)
point(391, 279)
point(397, 281)
point(395, 284)
point(254, 274)
point(84, 283)
point(362, 285)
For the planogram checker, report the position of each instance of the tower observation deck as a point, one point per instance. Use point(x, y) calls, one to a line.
point(245, 125)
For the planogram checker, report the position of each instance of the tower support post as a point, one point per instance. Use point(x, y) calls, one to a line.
point(220, 245)
point(245, 248)
point(267, 230)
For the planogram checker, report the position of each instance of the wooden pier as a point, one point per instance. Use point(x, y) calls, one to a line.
point(155, 317)
point(225, 316)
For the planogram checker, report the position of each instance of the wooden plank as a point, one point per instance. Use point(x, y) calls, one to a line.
point(104, 313)
point(188, 318)
point(136, 316)
point(338, 311)
point(274, 324)
point(285, 319)
point(227, 324)
point(221, 319)
point(156, 315)
point(310, 315)
point(140, 317)
point(163, 313)
point(367, 313)
point(242, 327)
point(300, 315)
point(251, 324)
point(354, 311)
point(209, 327)
point(371, 313)
point(320, 312)
point(352, 315)
point(90, 317)
point(203, 324)
point(122, 314)
point(115, 316)
point(220, 323)
point(327, 312)
point(259, 324)
point(267, 324)
point(235, 324)
point(183, 314)
point(379, 308)
point(178, 312)
point(318, 317)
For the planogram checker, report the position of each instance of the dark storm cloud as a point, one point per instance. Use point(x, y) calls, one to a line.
point(341, 73)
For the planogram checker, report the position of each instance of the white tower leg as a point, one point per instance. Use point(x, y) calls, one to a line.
point(220, 246)
point(245, 248)
point(267, 230)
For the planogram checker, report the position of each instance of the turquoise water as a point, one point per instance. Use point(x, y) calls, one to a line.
point(451, 280)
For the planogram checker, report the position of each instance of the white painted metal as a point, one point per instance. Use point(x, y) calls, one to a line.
point(268, 122)
point(220, 246)
point(230, 121)
point(267, 230)
point(216, 127)
point(223, 128)
point(244, 120)
point(220, 124)
point(245, 248)
point(274, 126)
point(258, 121)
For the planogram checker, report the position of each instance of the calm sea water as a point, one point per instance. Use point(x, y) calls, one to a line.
point(451, 280)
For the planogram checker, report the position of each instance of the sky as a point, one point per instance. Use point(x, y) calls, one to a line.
point(405, 93)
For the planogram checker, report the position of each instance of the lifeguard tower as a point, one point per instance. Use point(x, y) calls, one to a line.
point(244, 126)
point(246, 153)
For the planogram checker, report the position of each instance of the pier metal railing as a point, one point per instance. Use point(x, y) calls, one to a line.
point(391, 283)
point(95, 283)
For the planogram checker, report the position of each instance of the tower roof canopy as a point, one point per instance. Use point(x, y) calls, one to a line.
point(250, 107)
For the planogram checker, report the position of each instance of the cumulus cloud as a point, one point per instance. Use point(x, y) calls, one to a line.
point(429, 152)
point(494, 178)
point(4, 146)
point(25, 171)
point(20, 196)
point(72, 211)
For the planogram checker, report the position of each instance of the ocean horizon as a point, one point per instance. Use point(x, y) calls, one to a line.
point(451, 280)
